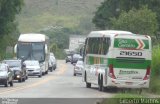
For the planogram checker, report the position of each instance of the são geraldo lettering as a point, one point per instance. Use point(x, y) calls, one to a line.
point(124, 44)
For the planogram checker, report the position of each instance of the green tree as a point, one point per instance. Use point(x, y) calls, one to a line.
point(137, 21)
point(8, 11)
point(113, 8)
point(8, 25)
point(107, 10)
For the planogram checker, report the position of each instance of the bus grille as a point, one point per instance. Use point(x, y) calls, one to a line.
point(130, 60)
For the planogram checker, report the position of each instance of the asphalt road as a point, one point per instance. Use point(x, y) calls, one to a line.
point(59, 84)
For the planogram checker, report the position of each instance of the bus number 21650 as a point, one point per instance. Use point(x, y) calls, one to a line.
point(129, 53)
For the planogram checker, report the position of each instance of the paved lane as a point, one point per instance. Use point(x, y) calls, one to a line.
point(57, 84)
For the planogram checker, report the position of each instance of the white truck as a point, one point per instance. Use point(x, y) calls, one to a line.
point(76, 41)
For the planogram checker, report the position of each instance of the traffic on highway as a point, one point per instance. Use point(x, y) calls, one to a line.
point(103, 60)
point(95, 49)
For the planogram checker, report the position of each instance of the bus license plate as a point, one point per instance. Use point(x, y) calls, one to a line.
point(129, 83)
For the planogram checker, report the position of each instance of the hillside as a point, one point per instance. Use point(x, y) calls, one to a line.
point(37, 15)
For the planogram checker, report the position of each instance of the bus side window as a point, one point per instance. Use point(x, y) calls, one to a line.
point(97, 45)
point(106, 45)
point(88, 46)
point(91, 45)
point(86, 49)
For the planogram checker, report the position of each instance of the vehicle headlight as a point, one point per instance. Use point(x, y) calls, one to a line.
point(18, 76)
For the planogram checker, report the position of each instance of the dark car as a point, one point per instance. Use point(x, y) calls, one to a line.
point(68, 58)
point(6, 75)
point(75, 58)
point(18, 68)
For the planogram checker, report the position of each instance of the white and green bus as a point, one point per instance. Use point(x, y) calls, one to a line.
point(117, 59)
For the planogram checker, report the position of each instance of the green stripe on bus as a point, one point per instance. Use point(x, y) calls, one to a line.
point(95, 60)
point(146, 42)
point(130, 64)
point(129, 43)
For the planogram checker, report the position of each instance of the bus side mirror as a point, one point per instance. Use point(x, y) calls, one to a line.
point(23, 65)
point(15, 48)
point(46, 49)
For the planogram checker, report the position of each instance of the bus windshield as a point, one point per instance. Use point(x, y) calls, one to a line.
point(24, 50)
point(38, 51)
point(31, 51)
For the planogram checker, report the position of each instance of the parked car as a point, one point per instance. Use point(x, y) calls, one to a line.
point(6, 75)
point(18, 68)
point(78, 68)
point(68, 58)
point(75, 58)
point(33, 68)
point(51, 54)
point(52, 63)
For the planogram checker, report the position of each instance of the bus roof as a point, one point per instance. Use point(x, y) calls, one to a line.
point(108, 33)
point(32, 37)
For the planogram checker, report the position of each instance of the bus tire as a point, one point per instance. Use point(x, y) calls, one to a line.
point(140, 91)
point(100, 83)
point(46, 72)
point(11, 83)
point(88, 85)
point(85, 77)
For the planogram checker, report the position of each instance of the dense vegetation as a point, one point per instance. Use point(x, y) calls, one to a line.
point(8, 25)
point(142, 21)
point(155, 77)
point(38, 15)
point(122, 10)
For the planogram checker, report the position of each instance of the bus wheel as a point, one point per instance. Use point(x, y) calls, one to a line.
point(123, 90)
point(88, 85)
point(46, 72)
point(85, 77)
point(100, 84)
point(140, 91)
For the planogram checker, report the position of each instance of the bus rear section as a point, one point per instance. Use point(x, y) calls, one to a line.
point(130, 63)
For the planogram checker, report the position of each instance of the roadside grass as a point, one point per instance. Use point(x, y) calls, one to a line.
point(128, 95)
point(155, 71)
point(118, 98)
point(154, 85)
